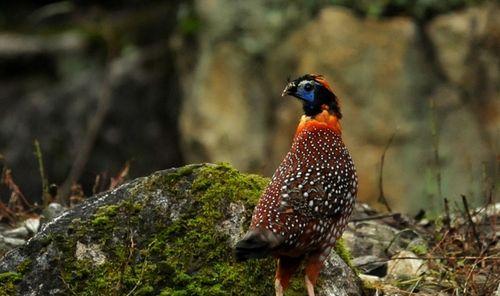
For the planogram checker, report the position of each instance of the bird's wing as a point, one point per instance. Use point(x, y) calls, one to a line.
point(320, 195)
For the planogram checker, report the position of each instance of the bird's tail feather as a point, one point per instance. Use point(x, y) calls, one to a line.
point(257, 243)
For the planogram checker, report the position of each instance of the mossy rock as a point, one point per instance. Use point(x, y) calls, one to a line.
point(170, 233)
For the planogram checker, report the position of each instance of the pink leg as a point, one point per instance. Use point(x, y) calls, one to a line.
point(314, 265)
point(284, 271)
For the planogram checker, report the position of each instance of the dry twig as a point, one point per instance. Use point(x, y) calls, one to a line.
point(472, 224)
point(381, 197)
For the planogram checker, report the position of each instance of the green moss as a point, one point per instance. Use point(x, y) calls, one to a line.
point(419, 249)
point(8, 288)
point(192, 244)
point(24, 266)
point(101, 220)
point(344, 253)
point(8, 283)
point(10, 276)
point(9, 279)
point(104, 215)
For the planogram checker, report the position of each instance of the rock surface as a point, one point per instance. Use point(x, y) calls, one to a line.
point(385, 77)
point(405, 268)
point(170, 233)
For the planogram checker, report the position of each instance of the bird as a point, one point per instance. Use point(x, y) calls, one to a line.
point(307, 204)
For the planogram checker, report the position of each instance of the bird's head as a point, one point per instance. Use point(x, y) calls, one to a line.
point(315, 93)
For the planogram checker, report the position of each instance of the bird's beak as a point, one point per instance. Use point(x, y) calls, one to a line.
point(290, 89)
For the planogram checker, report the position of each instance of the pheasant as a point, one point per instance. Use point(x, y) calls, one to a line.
point(306, 207)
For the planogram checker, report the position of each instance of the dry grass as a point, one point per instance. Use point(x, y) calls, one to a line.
point(19, 208)
point(463, 257)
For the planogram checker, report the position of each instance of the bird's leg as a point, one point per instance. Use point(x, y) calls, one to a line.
point(284, 271)
point(309, 286)
point(313, 267)
point(278, 287)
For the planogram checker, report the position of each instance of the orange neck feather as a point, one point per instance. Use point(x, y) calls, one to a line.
point(322, 120)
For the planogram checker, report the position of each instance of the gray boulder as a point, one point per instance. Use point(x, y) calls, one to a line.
point(170, 233)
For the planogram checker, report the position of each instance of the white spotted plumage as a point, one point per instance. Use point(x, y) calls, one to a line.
point(312, 193)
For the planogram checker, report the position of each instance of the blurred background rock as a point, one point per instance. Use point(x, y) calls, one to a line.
point(164, 83)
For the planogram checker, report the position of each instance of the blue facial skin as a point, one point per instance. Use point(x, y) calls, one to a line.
point(306, 95)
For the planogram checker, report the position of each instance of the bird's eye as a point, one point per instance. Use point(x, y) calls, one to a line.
point(308, 87)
